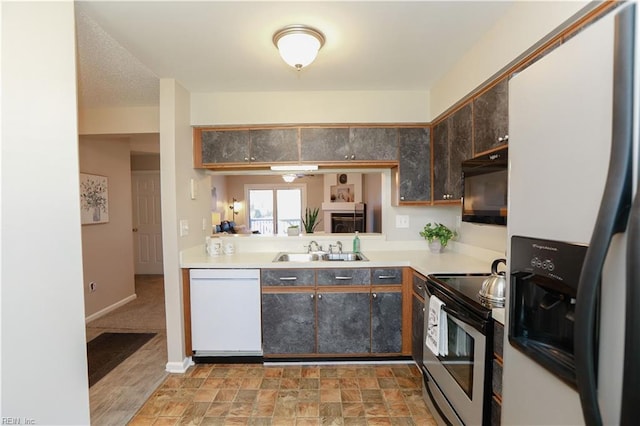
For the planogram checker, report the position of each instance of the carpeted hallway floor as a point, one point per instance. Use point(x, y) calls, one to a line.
point(118, 395)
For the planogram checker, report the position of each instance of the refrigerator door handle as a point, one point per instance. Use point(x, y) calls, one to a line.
point(612, 215)
point(631, 376)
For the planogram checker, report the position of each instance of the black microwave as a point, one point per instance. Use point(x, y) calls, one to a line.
point(485, 181)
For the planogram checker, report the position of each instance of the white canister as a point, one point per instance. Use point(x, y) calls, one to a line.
point(229, 248)
point(214, 247)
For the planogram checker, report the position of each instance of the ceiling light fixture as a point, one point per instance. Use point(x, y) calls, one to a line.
point(298, 44)
point(289, 177)
point(295, 168)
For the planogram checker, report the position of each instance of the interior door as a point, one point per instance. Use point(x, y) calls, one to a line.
point(147, 225)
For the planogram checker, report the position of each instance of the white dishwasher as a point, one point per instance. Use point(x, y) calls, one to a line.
point(225, 312)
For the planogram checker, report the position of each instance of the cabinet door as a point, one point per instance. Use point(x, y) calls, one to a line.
point(288, 323)
point(228, 146)
point(460, 131)
point(386, 322)
point(344, 325)
point(414, 165)
point(441, 160)
point(373, 144)
point(491, 118)
point(274, 145)
point(324, 144)
point(417, 328)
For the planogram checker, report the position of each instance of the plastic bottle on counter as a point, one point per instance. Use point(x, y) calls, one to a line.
point(356, 243)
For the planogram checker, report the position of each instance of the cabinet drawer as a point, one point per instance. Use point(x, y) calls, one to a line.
point(344, 276)
point(419, 284)
point(288, 277)
point(385, 276)
point(496, 381)
point(498, 338)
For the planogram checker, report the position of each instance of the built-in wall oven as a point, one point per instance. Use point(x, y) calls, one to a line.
point(457, 379)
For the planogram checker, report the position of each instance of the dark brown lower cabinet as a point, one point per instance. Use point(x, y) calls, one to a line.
point(417, 329)
point(288, 323)
point(496, 376)
point(386, 322)
point(343, 323)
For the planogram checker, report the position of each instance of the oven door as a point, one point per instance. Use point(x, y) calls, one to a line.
point(460, 375)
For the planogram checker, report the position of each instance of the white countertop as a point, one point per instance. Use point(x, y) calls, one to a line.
point(422, 261)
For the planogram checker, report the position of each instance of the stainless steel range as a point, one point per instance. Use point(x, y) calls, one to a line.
point(457, 373)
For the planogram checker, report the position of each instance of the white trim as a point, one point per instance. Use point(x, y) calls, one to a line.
point(179, 367)
point(110, 308)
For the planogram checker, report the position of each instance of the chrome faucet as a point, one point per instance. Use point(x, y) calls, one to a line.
point(338, 244)
point(314, 242)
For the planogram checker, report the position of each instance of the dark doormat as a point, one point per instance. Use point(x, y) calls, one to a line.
point(108, 350)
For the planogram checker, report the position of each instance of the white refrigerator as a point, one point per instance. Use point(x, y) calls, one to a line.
point(573, 173)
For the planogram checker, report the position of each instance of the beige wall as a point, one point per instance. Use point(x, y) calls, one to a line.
point(520, 28)
point(107, 249)
point(44, 353)
point(99, 121)
point(309, 107)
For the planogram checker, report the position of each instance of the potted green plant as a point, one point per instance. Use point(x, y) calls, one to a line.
point(310, 220)
point(438, 236)
point(293, 230)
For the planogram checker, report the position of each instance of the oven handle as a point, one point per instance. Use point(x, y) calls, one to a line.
point(478, 325)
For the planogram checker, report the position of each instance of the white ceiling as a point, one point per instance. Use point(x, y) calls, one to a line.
point(211, 46)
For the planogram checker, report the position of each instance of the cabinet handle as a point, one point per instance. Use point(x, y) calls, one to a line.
point(319, 296)
point(313, 296)
point(386, 277)
point(288, 278)
point(402, 198)
point(375, 296)
point(353, 156)
point(346, 157)
point(343, 278)
point(246, 158)
point(253, 158)
point(424, 310)
point(419, 287)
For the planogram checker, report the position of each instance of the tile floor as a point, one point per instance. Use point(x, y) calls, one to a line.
point(253, 394)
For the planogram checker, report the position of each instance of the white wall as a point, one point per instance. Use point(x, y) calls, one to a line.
point(44, 361)
point(176, 159)
point(309, 107)
point(521, 27)
point(107, 248)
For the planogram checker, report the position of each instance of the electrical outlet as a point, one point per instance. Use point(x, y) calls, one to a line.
point(92, 286)
point(402, 221)
point(184, 227)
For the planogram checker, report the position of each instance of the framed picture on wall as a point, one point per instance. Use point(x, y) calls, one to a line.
point(94, 199)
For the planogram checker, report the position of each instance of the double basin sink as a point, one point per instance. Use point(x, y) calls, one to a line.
point(320, 257)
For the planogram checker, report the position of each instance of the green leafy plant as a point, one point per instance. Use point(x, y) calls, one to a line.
point(310, 220)
point(437, 231)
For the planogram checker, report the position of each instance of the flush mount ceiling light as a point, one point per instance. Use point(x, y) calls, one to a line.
point(289, 177)
point(298, 44)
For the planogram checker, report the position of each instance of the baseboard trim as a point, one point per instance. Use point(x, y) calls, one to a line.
point(179, 367)
point(105, 311)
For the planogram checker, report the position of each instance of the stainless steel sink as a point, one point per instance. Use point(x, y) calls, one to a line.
point(347, 257)
point(319, 257)
point(298, 257)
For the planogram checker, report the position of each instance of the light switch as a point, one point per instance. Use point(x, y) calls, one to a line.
point(402, 221)
point(184, 227)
